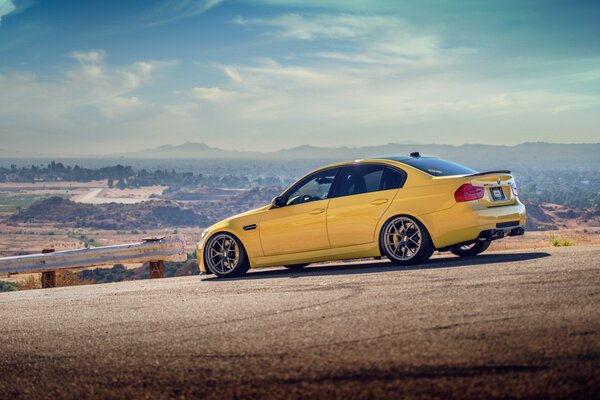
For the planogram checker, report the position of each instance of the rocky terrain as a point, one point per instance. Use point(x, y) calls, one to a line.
point(547, 216)
point(57, 210)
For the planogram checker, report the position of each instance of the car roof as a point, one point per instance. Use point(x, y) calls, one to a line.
point(397, 158)
point(400, 158)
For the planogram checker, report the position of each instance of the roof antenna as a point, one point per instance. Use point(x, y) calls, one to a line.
point(415, 154)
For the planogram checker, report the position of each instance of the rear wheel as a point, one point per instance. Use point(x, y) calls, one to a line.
point(295, 267)
point(473, 249)
point(225, 256)
point(405, 241)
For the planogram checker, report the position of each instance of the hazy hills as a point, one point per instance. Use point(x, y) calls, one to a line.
point(551, 154)
point(548, 154)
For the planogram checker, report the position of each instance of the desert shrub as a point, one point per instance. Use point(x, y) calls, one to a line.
point(31, 282)
point(561, 241)
point(69, 278)
point(7, 286)
point(181, 269)
point(117, 273)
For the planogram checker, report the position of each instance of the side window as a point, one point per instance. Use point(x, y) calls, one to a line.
point(359, 179)
point(315, 188)
point(392, 179)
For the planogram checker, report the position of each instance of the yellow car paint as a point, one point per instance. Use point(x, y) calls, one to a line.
point(349, 226)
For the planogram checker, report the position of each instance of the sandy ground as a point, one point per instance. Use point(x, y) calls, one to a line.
point(65, 188)
point(95, 192)
point(520, 324)
point(122, 196)
point(53, 185)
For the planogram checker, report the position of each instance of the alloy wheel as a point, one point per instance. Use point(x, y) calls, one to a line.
point(223, 253)
point(403, 238)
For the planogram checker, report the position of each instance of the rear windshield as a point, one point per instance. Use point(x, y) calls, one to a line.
point(438, 167)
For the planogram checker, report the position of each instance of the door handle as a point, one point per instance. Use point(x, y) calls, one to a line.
point(317, 211)
point(379, 202)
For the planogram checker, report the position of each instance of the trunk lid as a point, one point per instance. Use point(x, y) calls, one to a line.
point(498, 187)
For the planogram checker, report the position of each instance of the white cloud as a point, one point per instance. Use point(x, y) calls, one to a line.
point(213, 94)
point(168, 11)
point(233, 74)
point(92, 95)
point(95, 56)
point(118, 107)
point(329, 102)
point(376, 34)
point(6, 7)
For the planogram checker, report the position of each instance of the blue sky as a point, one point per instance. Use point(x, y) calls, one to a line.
point(83, 77)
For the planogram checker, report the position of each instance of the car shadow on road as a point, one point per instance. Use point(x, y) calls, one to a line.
point(375, 266)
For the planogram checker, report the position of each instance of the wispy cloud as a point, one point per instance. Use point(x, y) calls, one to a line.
point(365, 38)
point(6, 7)
point(313, 71)
point(214, 94)
point(94, 56)
point(171, 11)
point(89, 96)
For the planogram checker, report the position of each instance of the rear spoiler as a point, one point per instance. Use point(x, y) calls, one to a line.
point(500, 171)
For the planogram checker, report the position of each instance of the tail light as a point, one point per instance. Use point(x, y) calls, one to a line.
point(468, 192)
point(514, 190)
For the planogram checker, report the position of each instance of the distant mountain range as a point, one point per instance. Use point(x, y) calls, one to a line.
point(190, 150)
point(201, 150)
point(549, 153)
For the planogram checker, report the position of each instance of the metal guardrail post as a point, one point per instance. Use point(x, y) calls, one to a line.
point(156, 268)
point(48, 277)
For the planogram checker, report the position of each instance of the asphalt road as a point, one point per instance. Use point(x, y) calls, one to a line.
point(524, 324)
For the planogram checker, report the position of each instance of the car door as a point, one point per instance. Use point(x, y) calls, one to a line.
point(363, 193)
point(300, 225)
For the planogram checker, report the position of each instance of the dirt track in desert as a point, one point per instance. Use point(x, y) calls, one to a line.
point(520, 324)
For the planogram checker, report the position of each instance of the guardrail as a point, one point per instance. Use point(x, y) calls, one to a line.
point(153, 250)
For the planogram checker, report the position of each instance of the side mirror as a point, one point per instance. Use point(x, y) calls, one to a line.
point(279, 201)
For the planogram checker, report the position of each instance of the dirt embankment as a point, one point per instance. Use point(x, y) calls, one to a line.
point(155, 214)
point(547, 216)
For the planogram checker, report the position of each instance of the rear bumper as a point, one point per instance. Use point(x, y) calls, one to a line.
point(466, 223)
point(499, 233)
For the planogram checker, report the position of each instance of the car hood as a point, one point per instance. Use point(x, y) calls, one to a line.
point(255, 211)
point(250, 212)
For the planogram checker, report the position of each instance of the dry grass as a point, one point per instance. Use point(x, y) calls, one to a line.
point(561, 241)
point(32, 281)
point(70, 278)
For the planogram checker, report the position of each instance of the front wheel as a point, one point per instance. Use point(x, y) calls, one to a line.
point(473, 249)
point(225, 256)
point(405, 241)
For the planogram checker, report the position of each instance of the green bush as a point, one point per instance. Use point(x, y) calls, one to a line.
point(563, 241)
point(7, 286)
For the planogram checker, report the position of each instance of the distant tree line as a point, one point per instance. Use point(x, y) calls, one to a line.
point(570, 187)
point(122, 177)
point(579, 189)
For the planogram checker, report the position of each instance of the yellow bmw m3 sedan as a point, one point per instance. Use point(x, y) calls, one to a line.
point(400, 207)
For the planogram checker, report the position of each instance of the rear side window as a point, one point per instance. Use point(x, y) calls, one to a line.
point(360, 179)
point(392, 179)
point(438, 167)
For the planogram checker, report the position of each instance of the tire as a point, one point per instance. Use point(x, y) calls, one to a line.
point(471, 249)
point(295, 267)
point(225, 256)
point(404, 240)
